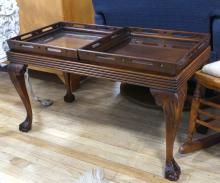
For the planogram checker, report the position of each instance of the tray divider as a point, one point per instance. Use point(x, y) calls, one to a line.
point(109, 41)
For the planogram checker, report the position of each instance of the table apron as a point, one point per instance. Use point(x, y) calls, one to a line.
point(137, 78)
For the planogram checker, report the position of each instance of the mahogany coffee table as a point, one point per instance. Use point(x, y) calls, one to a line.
point(162, 60)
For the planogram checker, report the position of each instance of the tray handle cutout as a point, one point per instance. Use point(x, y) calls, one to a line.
point(26, 36)
point(47, 29)
point(114, 36)
point(56, 50)
point(78, 25)
point(105, 57)
point(96, 45)
point(142, 63)
point(27, 46)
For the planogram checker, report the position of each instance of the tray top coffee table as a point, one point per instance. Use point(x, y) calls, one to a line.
point(162, 60)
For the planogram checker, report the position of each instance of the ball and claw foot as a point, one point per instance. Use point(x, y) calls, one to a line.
point(69, 98)
point(25, 126)
point(172, 171)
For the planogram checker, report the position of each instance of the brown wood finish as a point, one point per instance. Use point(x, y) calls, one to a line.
point(75, 81)
point(143, 79)
point(60, 40)
point(43, 10)
point(16, 72)
point(66, 10)
point(169, 91)
point(122, 75)
point(172, 103)
point(69, 97)
point(146, 50)
point(196, 145)
point(65, 138)
point(79, 11)
point(190, 145)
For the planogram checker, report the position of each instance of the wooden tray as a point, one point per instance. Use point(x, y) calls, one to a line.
point(147, 50)
point(61, 39)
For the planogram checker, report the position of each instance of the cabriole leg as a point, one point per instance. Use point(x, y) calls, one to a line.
point(16, 72)
point(172, 103)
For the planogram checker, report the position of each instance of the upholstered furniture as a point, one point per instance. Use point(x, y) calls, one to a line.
point(212, 69)
point(196, 16)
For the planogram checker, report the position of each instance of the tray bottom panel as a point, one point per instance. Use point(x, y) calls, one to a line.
point(67, 39)
point(152, 52)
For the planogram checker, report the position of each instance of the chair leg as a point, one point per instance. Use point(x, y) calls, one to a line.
point(201, 143)
point(186, 147)
point(199, 128)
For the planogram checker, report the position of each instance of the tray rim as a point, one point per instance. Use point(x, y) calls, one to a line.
point(17, 42)
point(75, 53)
point(204, 40)
point(180, 63)
point(62, 24)
point(169, 32)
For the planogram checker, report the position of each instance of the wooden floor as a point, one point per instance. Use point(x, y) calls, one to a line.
point(101, 129)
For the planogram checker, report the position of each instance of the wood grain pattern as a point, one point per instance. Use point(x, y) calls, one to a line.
point(136, 49)
point(95, 125)
point(69, 97)
point(172, 104)
point(169, 91)
point(144, 79)
point(172, 88)
point(201, 116)
point(35, 14)
point(16, 73)
point(78, 11)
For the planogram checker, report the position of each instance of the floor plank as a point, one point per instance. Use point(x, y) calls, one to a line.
point(100, 129)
